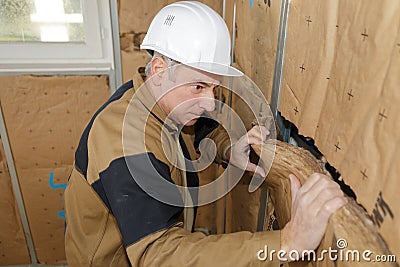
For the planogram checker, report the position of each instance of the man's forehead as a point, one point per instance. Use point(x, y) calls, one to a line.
point(196, 75)
point(208, 81)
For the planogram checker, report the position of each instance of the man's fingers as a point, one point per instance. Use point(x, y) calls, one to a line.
point(254, 168)
point(324, 196)
point(255, 136)
point(259, 133)
point(260, 171)
point(254, 140)
point(315, 179)
point(239, 153)
point(331, 206)
point(322, 190)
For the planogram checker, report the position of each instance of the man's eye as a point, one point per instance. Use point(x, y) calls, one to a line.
point(197, 87)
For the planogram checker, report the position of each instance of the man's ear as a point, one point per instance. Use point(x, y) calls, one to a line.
point(158, 65)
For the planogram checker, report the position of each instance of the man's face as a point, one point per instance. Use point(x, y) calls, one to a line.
point(192, 94)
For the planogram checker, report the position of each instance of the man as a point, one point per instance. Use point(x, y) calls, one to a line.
point(131, 197)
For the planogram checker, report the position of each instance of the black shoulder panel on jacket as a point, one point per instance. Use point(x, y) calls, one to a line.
point(137, 213)
point(202, 128)
point(81, 154)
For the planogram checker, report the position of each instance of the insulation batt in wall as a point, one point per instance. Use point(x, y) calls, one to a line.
point(45, 117)
point(13, 249)
point(341, 87)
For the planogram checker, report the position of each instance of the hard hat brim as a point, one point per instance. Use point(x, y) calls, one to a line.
point(215, 68)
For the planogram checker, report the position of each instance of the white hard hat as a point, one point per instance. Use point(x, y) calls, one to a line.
point(193, 34)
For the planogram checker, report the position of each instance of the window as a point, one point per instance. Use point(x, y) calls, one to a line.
point(55, 34)
point(41, 21)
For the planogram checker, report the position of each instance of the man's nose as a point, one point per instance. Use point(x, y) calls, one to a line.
point(207, 101)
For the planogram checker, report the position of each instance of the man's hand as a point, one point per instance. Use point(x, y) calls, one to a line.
point(312, 205)
point(238, 153)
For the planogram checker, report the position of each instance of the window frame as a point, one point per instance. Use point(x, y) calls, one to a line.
point(96, 53)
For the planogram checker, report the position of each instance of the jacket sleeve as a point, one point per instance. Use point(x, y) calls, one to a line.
point(177, 247)
point(152, 232)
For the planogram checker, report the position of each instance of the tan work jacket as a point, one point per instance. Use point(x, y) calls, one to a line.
point(112, 221)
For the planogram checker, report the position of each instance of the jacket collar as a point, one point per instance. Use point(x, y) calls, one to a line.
point(144, 95)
